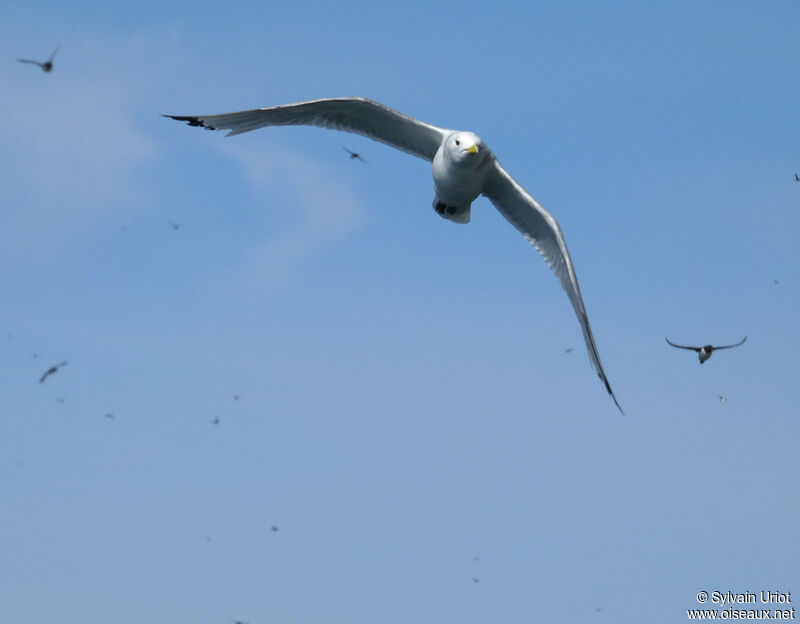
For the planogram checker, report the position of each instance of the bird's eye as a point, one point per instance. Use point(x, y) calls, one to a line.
point(458, 142)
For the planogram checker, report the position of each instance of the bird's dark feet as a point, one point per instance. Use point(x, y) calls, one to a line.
point(444, 208)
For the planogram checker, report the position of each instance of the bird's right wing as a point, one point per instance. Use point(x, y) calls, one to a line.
point(682, 347)
point(31, 62)
point(349, 114)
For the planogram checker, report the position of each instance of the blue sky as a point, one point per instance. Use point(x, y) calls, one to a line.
point(406, 413)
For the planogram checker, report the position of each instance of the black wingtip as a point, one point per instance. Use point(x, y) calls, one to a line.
point(191, 121)
point(613, 398)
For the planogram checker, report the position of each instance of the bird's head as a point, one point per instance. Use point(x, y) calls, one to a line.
point(465, 148)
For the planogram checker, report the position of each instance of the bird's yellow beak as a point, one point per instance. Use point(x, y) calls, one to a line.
point(473, 149)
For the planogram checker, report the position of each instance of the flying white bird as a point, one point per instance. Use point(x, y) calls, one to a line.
point(463, 168)
point(705, 352)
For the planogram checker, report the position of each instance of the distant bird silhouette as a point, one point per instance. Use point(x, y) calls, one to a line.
point(61, 399)
point(110, 416)
point(215, 421)
point(722, 399)
point(475, 579)
point(796, 178)
point(353, 155)
point(47, 65)
point(175, 226)
point(52, 371)
point(568, 350)
point(238, 621)
point(274, 529)
point(705, 352)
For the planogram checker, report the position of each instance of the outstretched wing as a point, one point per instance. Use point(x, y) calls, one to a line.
point(31, 62)
point(733, 345)
point(540, 229)
point(53, 55)
point(682, 347)
point(350, 114)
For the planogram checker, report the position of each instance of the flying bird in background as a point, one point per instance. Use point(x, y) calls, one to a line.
point(47, 65)
point(705, 352)
point(353, 155)
point(463, 168)
point(52, 371)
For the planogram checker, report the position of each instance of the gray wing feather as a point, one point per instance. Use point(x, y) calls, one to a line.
point(541, 229)
point(349, 114)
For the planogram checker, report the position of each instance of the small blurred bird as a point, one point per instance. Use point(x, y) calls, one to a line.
point(47, 65)
point(353, 155)
point(705, 352)
point(52, 371)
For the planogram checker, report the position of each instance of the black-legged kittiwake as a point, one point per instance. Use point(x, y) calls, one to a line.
point(463, 168)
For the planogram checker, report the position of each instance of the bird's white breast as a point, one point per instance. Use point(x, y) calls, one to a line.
point(459, 182)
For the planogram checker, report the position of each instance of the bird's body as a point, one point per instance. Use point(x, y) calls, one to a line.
point(463, 168)
point(704, 352)
point(47, 65)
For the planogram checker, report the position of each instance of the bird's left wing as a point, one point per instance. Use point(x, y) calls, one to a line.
point(349, 114)
point(31, 62)
point(733, 345)
point(540, 229)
